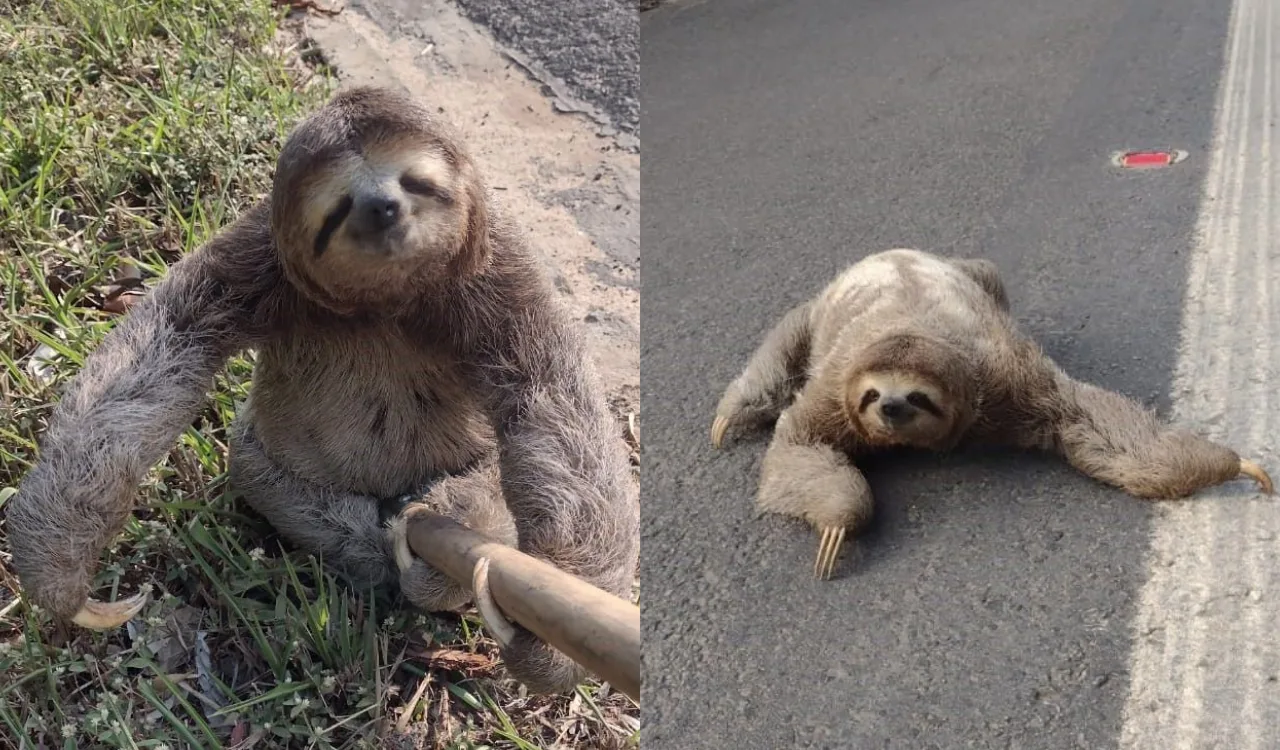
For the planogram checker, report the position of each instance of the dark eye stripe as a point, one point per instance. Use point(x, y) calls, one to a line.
point(921, 401)
point(867, 399)
point(422, 187)
point(331, 224)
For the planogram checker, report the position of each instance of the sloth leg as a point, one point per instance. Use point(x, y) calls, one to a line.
point(772, 376)
point(1116, 441)
point(813, 481)
point(987, 275)
point(344, 528)
point(349, 530)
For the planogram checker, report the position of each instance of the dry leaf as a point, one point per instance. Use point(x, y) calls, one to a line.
point(169, 642)
point(453, 660)
point(120, 303)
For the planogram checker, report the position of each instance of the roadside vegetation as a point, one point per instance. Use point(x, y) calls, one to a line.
point(129, 134)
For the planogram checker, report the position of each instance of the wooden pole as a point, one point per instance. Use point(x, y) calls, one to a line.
point(596, 629)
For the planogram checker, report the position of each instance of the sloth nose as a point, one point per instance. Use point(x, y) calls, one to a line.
point(377, 213)
point(896, 410)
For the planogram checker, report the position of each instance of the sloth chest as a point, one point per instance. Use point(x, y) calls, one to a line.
point(372, 416)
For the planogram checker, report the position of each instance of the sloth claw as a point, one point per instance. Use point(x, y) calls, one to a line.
point(494, 621)
point(96, 615)
point(828, 549)
point(398, 531)
point(1258, 474)
point(718, 428)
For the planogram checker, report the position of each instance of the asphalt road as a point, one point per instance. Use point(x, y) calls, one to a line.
point(589, 45)
point(991, 604)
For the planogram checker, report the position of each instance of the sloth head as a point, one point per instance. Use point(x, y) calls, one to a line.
point(911, 391)
point(374, 202)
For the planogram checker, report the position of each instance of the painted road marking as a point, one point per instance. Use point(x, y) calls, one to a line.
point(1205, 668)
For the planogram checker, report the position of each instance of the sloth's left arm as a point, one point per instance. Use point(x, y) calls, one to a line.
point(1115, 440)
point(564, 469)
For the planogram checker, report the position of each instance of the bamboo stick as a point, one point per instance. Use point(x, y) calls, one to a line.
point(596, 629)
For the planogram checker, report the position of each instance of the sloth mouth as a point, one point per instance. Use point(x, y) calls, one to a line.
point(387, 243)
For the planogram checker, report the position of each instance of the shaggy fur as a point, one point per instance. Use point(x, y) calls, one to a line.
point(419, 353)
point(934, 336)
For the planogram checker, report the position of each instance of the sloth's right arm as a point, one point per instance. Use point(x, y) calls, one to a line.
point(807, 476)
point(123, 411)
point(772, 375)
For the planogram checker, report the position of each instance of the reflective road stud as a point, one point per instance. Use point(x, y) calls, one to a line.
point(1146, 159)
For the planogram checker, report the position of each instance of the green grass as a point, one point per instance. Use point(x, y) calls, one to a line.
point(130, 132)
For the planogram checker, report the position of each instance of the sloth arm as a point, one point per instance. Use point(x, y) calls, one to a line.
point(806, 473)
point(136, 392)
point(772, 375)
point(564, 474)
point(1117, 441)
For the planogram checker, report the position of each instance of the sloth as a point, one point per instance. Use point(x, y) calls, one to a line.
point(906, 349)
point(409, 349)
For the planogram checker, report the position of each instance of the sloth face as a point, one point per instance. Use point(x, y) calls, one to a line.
point(394, 205)
point(901, 408)
point(373, 202)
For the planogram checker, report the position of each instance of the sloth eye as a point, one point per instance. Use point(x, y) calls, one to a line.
point(422, 187)
point(868, 398)
point(923, 402)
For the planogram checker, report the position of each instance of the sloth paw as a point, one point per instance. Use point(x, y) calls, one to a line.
point(828, 549)
point(96, 615)
point(538, 665)
point(422, 585)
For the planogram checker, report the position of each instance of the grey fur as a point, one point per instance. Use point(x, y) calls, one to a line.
point(944, 326)
point(443, 367)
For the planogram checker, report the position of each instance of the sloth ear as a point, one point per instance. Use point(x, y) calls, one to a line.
point(477, 246)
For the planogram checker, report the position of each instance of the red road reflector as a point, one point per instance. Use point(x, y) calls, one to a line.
point(1146, 159)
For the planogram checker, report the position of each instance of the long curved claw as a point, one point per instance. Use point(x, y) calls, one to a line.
point(494, 621)
point(398, 531)
point(1258, 474)
point(96, 615)
point(718, 428)
point(828, 549)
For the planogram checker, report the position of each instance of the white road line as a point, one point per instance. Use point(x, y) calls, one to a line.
point(1261, 653)
point(1205, 669)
